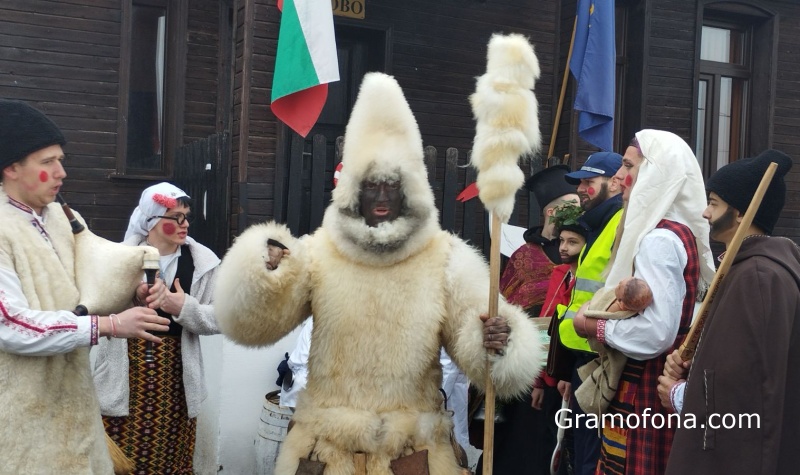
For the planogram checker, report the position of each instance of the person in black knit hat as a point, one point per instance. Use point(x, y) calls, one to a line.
point(24, 130)
point(749, 351)
point(51, 419)
point(737, 182)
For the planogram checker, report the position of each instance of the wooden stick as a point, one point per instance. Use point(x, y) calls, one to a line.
point(494, 296)
point(563, 93)
point(689, 345)
point(360, 460)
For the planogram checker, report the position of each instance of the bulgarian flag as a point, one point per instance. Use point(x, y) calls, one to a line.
point(306, 62)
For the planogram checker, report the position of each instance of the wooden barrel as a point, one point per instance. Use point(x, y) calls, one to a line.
point(271, 432)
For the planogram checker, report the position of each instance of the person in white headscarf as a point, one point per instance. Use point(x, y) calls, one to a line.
point(126, 384)
point(663, 239)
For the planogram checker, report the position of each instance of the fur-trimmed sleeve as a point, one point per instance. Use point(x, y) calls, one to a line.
point(468, 298)
point(256, 306)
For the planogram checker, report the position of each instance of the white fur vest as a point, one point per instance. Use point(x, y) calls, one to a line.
point(50, 421)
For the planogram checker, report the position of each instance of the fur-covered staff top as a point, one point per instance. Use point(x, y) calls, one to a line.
point(24, 130)
point(155, 201)
point(507, 121)
point(669, 185)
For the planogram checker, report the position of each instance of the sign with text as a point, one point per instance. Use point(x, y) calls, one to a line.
point(349, 8)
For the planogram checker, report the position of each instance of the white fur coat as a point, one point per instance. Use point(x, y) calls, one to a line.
point(374, 371)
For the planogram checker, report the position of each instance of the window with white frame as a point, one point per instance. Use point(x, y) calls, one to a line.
point(734, 106)
point(722, 95)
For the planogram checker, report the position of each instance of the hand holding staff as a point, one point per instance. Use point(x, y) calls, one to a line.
point(687, 349)
point(507, 127)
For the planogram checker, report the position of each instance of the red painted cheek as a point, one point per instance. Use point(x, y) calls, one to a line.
point(628, 180)
point(590, 191)
point(168, 228)
point(43, 176)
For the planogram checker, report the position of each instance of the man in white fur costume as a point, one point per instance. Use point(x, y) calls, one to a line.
point(50, 419)
point(387, 288)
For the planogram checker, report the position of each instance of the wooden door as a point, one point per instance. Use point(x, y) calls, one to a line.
point(305, 181)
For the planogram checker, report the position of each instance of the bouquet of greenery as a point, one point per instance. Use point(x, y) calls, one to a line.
point(566, 216)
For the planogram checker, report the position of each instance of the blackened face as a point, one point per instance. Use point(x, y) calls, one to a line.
point(380, 201)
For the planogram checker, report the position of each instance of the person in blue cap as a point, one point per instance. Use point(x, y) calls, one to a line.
point(601, 199)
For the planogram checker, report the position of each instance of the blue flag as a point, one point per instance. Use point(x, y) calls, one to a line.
point(593, 63)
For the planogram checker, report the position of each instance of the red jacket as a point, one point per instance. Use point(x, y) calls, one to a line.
point(559, 291)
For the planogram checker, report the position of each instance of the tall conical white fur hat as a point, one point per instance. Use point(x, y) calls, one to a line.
point(382, 141)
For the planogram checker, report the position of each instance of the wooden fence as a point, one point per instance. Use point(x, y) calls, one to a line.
point(201, 170)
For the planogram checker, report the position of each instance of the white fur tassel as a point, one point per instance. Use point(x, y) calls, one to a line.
point(507, 118)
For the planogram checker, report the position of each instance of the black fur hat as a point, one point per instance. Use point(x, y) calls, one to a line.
point(549, 184)
point(736, 183)
point(24, 130)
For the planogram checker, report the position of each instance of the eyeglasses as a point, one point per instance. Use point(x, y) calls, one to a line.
point(179, 217)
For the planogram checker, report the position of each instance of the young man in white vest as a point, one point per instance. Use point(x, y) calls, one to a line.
point(50, 418)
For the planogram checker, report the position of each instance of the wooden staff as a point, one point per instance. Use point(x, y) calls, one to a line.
point(561, 96)
point(360, 461)
point(496, 103)
point(494, 297)
point(687, 349)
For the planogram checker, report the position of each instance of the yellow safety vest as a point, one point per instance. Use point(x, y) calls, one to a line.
point(588, 280)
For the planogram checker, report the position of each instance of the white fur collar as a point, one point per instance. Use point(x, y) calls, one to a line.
point(383, 245)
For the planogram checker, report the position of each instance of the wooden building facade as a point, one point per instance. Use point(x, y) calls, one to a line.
point(95, 67)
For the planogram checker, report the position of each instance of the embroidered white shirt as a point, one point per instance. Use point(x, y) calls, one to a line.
point(659, 262)
point(29, 332)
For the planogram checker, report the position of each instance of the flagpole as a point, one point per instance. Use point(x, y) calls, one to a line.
point(563, 92)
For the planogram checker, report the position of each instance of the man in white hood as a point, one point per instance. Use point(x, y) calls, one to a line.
point(662, 239)
point(387, 287)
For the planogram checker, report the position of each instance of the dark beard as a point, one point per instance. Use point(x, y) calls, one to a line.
point(597, 200)
point(570, 259)
point(723, 223)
